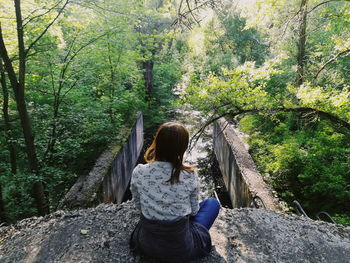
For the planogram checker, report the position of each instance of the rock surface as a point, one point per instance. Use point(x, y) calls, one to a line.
point(101, 234)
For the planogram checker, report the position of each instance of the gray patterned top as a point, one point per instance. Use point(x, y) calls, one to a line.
point(158, 199)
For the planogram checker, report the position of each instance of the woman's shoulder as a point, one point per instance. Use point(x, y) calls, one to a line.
point(152, 165)
point(141, 167)
point(189, 174)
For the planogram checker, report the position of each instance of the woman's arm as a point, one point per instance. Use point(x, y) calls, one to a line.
point(134, 188)
point(194, 197)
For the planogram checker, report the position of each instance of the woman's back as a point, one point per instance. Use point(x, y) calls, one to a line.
point(157, 198)
point(166, 192)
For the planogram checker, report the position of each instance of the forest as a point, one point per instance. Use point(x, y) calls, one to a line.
point(75, 73)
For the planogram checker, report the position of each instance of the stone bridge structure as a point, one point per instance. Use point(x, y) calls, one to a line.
point(243, 182)
point(100, 233)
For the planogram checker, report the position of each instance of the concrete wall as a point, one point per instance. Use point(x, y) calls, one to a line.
point(240, 175)
point(110, 176)
point(116, 183)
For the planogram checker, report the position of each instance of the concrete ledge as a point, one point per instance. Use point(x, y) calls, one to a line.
point(109, 178)
point(239, 235)
point(240, 174)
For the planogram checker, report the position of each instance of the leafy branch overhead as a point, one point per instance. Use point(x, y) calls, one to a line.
point(248, 89)
point(190, 13)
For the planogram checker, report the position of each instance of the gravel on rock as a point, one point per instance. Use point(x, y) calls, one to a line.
point(101, 234)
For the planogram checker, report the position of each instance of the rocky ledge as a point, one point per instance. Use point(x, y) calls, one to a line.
point(101, 234)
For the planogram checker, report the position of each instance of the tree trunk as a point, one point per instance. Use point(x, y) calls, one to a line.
point(113, 82)
point(18, 86)
point(2, 208)
point(53, 137)
point(148, 77)
point(301, 58)
point(7, 128)
point(38, 188)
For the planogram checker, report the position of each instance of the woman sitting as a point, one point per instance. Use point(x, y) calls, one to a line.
point(173, 225)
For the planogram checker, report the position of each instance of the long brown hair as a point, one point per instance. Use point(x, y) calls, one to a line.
point(169, 145)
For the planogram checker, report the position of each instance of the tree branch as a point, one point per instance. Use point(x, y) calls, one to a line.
point(180, 6)
point(75, 53)
point(194, 139)
point(288, 22)
point(190, 10)
point(236, 112)
point(326, 115)
point(325, 2)
point(68, 90)
point(30, 19)
point(7, 62)
point(182, 14)
point(340, 54)
point(100, 9)
point(47, 27)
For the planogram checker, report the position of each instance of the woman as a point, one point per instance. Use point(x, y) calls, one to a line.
point(173, 226)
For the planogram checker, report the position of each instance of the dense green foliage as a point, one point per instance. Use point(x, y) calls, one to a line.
point(302, 160)
point(299, 131)
point(84, 84)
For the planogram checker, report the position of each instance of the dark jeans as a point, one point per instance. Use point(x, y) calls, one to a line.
point(208, 211)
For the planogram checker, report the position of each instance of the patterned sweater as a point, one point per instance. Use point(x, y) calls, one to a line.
point(158, 199)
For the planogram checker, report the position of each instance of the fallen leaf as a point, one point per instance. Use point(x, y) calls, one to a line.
point(84, 231)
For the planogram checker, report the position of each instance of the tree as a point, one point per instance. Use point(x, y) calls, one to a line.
point(7, 122)
point(18, 86)
point(152, 32)
point(301, 42)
